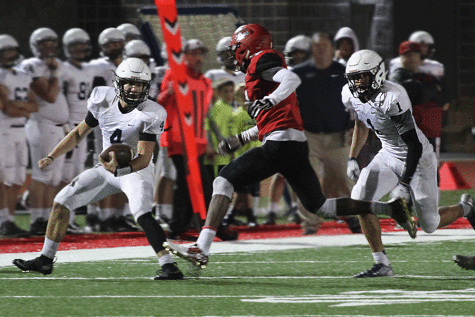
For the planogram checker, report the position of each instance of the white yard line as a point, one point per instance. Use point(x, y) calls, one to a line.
point(87, 255)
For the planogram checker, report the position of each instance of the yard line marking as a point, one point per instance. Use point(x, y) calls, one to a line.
point(448, 277)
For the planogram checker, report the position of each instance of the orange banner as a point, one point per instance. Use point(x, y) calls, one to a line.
point(168, 15)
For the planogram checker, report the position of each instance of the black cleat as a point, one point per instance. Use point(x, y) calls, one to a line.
point(466, 199)
point(378, 269)
point(169, 271)
point(465, 262)
point(226, 234)
point(10, 230)
point(403, 216)
point(38, 228)
point(37, 265)
point(271, 218)
point(354, 224)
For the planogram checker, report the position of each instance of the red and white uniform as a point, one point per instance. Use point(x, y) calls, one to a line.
point(202, 92)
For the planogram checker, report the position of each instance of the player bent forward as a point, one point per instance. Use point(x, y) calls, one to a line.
point(406, 164)
point(271, 88)
point(124, 115)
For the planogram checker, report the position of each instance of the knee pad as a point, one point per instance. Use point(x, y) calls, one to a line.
point(221, 186)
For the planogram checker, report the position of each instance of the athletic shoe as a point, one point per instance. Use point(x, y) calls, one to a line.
point(465, 262)
point(271, 218)
point(92, 223)
point(125, 224)
point(251, 218)
point(74, 228)
point(308, 232)
point(468, 200)
point(190, 252)
point(37, 265)
point(9, 229)
point(38, 228)
point(403, 216)
point(226, 234)
point(169, 271)
point(378, 269)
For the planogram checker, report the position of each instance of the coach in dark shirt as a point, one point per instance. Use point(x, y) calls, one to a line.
point(326, 122)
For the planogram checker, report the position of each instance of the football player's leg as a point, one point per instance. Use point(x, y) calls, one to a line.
point(138, 187)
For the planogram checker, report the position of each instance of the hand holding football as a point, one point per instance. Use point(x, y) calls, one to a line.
point(123, 153)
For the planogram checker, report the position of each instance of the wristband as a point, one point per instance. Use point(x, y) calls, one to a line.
point(123, 171)
point(50, 157)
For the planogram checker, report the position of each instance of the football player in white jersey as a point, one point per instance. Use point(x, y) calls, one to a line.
point(131, 32)
point(78, 85)
point(227, 70)
point(45, 128)
point(18, 102)
point(406, 164)
point(297, 50)
point(429, 65)
point(125, 116)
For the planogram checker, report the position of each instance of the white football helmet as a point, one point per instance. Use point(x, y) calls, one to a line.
point(131, 31)
point(41, 35)
point(297, 43)
point(423, 37)
point(76, 36)
point(111, 35)
point(132, 70)
point(223, 51)
point(361, 64)
point(137, 48)
point(8, 42)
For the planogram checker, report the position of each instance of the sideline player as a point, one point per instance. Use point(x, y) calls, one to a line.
point(406, 164)
point(17, 102)
point(126, 116)
point(270, 89)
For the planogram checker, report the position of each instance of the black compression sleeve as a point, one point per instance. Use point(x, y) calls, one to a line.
point(147, 137)
point(154, 233)
point(414, 153)
point(91, 121)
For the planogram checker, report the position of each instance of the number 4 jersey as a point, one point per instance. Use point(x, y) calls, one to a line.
point(143, 123)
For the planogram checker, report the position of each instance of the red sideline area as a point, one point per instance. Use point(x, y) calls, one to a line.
point(130, 239)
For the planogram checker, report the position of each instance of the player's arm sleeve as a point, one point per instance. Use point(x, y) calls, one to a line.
point(154, 125)
point(406, 128)
point(90, 120)
point(249, 135)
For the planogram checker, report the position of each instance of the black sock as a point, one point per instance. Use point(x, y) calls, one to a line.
point(154, 233)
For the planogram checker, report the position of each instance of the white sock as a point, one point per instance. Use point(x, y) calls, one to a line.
point(117, 212)
point(35, 214)
point(295, 204)
point(164, 259)
point(50, 248)
point(255, 202)
point(92, 209)
point(274, 207)
point(72, 217)
point(46, 212)
point(4, 215)
point(466, 209)
point(165, 210)
point(381, 257)
point(205, 239)
point(105, 213)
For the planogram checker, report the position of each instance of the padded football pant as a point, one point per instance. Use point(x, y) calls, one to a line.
point(290, 158)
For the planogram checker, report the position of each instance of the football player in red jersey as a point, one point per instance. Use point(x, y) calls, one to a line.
point(270, 90)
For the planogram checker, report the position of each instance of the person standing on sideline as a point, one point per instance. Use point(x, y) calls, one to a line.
point(270, 89)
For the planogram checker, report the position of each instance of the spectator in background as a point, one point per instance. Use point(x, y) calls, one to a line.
point(201, 87)
point(297, 50)
point(326, 122)
point(45, 128)
point(17, 102)
point(346, 43)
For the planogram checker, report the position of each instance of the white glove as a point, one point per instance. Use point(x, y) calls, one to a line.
point(353, 169)
point(229, 145)
point(255, 107)
point(402, 190)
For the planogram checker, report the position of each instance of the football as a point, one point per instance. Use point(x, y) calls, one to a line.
point(123, 153)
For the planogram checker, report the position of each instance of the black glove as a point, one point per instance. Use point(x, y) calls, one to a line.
point(255, 107)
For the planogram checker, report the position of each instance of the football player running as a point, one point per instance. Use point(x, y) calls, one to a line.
point(270, 89)
point(406, 164)
point(126, 116)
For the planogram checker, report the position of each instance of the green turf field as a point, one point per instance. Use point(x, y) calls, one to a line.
point(302, 282)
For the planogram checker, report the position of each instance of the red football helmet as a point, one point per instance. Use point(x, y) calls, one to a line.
point(248, 40)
